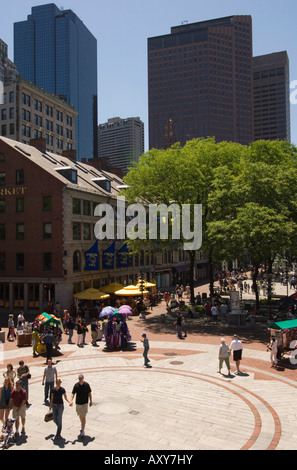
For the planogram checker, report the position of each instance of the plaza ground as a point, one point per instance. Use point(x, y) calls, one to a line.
point(181, 403)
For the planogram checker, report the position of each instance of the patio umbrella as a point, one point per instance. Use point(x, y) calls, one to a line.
point(125, 310)
point(130, 291)
point(146, 284)
point(91, 294)
point(47, 319)
point(106, 311)
point(111, 288)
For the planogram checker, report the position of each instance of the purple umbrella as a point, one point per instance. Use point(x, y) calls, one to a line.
point(106, 311)
point(125, 310)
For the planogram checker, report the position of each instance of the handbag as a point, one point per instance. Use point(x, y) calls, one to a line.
point(48, 417)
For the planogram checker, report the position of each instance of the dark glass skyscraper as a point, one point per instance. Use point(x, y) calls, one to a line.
point(200, 82)
point(54, 50)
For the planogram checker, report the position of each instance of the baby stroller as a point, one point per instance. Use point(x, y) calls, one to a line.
point(7, 434)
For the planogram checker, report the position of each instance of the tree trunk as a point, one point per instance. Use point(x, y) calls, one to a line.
point(191, 275)
point(255, 287)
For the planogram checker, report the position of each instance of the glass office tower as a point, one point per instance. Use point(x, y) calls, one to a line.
point(54, 50)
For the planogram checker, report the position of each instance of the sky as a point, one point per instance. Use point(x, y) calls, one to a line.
point(122, 28)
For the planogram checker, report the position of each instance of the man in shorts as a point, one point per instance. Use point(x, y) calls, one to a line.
point(18, 399)
point(83, 393)
point(236, 347)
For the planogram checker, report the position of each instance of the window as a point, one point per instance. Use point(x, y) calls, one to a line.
point(87, 207)
point(3, 114)
point(2, 179)
point(76, 209)
point(47, 203)
point(87, 232)
point(47, 261)
point(76, 261)
point(2, 261)
point(11, 97)
point(76, 231)
point(47, 230)
point(20, 231)
point(20, 204)
point(2, 232)
point(19, 177)
point(3, 130)
point(20, 261)
point(2, 205)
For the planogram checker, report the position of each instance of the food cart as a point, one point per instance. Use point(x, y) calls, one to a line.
point(42, 320)
point(285, 333)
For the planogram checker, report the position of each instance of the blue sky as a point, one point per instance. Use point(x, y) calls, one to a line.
point(123, 26)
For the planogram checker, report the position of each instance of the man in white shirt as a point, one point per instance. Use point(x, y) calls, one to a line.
point(236, 347)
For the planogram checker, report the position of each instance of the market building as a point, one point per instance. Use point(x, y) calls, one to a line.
point(47, 224)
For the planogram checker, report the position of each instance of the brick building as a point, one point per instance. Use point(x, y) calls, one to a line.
point(47, 223)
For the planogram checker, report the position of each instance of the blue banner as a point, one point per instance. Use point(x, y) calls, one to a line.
point(108, 257)
point(123, 260)
point(91, 258)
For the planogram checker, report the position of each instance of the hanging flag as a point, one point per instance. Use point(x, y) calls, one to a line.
point(108, 257)
point(91, 258)
point(123, 260)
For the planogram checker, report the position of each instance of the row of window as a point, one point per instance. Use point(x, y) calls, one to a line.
point(38, 106)
point(20, 231)
point(20, 261)
point(20, 204)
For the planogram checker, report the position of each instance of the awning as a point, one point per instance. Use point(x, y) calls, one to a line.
point(182, 268)
point(283, 325)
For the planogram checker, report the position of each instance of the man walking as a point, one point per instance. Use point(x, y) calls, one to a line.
point(236, 347)
point(146, 348)
point(83, 393)
point(18, 399)
point(49, 377)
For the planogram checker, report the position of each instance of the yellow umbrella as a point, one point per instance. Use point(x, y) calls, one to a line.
point(111, 288)
point(130, 291)
point(146, 284)
point(91, 294)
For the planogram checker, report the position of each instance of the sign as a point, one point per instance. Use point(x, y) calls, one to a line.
point(91, 258)
point(15, 191)
point(108, 257)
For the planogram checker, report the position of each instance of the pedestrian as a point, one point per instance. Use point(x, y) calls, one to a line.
point(236, 347)
point(57, 406)
point(79, 329)
point(10, 373)
point(183, 326)
point(48, 380)
point(272, 346)
point(94, 331)
point(84, 331)
point(224, 311)
point(214, 312)
point(5, 392)
point(17, 402)
point(23, 375)
point(146, 347)
point(49, 340)
point(83, 393)
point(224, 353)
point(11, 328)
point(70, 327)
point(35, 339)
point(178, 325)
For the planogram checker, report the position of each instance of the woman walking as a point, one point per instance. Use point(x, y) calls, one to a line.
point(5, 392)
point(57, 406)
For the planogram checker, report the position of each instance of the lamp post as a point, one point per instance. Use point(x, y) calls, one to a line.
point(141, 283)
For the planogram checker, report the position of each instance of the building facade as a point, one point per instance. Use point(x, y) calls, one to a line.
point(54, 50)
point(200, 82)
point(29, 112)
point(271, 79)
point(47, 224)
point(121, 141)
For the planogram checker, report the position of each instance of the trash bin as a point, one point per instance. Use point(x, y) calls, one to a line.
point(163, 317)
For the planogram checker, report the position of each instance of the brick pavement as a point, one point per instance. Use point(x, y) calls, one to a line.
point(180, 403)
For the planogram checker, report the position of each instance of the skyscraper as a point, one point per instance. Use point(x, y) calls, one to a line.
point(121, 141)
point(272, 96)
point(54, 50)
point(200, 82)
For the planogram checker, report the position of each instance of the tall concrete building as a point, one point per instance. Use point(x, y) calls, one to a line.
point(121, 141)
point(271, 79)
point(200, 82)
point(55, 50)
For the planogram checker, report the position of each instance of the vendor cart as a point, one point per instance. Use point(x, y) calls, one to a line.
point(285, 333)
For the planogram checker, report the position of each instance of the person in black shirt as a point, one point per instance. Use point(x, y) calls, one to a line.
point(83, 393)
point(57, 405)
